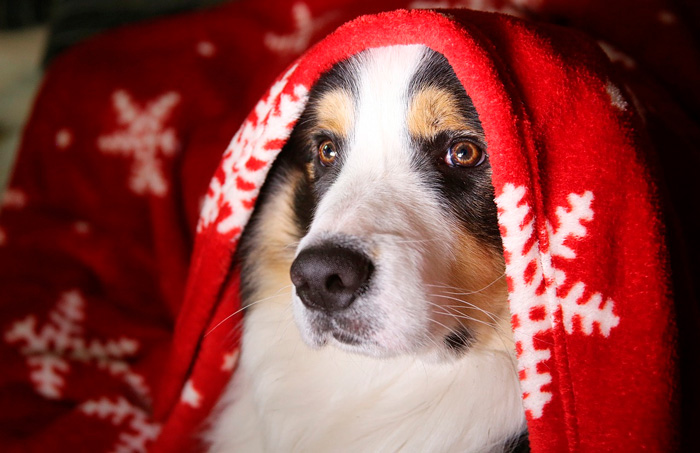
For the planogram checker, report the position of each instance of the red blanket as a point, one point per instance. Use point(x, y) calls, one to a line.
point(118, 310)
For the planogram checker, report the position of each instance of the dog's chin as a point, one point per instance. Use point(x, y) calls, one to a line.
point(354, 334)
point(349, 332)
point(345, 341)
point(321, 331)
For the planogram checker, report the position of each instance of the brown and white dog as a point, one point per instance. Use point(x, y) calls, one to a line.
point(373, 276)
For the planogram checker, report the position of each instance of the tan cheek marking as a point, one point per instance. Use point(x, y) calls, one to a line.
point(433, 110)
point(478, 273)
point(335, 112)
point(310, 171)
point(275, 242)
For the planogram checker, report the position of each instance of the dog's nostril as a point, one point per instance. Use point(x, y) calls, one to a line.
point(330, 277)
point(334, 283)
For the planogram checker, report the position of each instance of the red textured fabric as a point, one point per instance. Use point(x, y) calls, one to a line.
point(118, 309)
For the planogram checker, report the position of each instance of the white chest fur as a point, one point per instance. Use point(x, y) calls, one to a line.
point(288, 397)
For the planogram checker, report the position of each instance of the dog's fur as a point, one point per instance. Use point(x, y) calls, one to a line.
point(421, 358)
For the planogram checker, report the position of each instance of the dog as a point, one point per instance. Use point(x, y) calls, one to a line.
point(372, 274)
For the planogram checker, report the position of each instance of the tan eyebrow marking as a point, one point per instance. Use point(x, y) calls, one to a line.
point(335, 112)
point(433, 110)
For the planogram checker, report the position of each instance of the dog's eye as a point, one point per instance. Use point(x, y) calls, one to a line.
point(464, 154)
point(327, 153)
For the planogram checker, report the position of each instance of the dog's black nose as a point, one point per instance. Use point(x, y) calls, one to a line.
point(330, 277)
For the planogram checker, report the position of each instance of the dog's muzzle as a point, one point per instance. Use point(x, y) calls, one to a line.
point(330, 277)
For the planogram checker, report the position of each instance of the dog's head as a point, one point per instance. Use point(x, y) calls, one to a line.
point(400, 251)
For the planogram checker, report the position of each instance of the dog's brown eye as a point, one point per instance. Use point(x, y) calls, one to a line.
point(464, 154)
point(327, 153)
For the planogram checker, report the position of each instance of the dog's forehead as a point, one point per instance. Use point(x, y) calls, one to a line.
point(394, 91)
point(384, 83)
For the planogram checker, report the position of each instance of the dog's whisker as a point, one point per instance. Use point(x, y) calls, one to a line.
point(460, 316)
point(503, 338)
point(289, 321)
point(458, 308)
point(416, 241)
point(470, 305)
point(431, 340)
point(469, 318)
point(247, 305)
point(226, 319)
point(292, 245)
point(498, 329)
point(447, 329)
point(460, 291)
point(499, 332)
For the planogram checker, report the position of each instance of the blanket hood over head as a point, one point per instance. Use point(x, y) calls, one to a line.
point(578, 213)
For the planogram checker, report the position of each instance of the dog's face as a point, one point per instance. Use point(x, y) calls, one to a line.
point(399, 249)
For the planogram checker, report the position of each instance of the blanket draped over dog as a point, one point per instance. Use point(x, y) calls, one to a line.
point(118, 306)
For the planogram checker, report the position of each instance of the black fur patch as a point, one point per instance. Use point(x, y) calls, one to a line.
point(520, 444)
point(459, 340)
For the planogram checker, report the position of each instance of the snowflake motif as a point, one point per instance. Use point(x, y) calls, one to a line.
point(230, 360)
point(306, 26)
point(190, 395)
point(81, 227)
point(143, 137)
point(616, 97)
point(232, 192)
point(536, 285)
point(206, 49)
point(617, 56)
point(13, 199)
point(142, 430)
point(50, 349)
point(64, 138)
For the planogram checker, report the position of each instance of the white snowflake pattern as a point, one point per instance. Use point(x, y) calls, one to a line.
point(616, 55)
point(616, 97)
point(81, 227)
point(230, 360)
point(305, 28)
point(144, 138)
point(190, 395)
point(64, 138)
point(206, 49)
point(141, 431)
point(14, 199)
point(536, 282)
point(49, 349)
point(244, 165)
